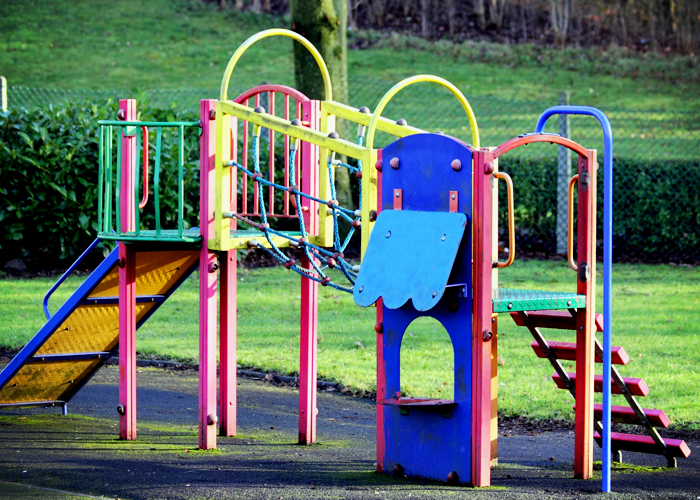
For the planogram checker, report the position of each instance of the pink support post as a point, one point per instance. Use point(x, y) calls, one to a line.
point(379, 329)
point(227, 347)
point(127, 282)
point(482, 332)
point(207, 280)
point(309, 288)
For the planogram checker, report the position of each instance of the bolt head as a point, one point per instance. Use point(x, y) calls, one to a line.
point(489, 167)
point(121, 114)
point(456, 165)
point(453, 477)
point(394, 163)
point(212, 419)
point(398, 470)
point(212, 114)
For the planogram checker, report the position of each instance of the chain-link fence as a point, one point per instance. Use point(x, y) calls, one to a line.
point(657, 165)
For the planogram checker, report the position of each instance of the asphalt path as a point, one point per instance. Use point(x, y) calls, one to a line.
point(46, 455)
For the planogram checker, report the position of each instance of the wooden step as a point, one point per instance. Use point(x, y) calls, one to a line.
point(637, 386)
point(567, 350)
point(626, 415)
point(645, 444)
point(561, 320)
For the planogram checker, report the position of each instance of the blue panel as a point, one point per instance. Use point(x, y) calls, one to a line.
point(425, 442)
point(409, 256)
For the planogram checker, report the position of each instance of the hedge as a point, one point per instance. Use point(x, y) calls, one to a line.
point(48, 194)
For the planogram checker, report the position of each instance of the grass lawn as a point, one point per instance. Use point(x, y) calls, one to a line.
point(185, 44)
point(656, 321)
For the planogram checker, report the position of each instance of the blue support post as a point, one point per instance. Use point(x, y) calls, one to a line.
point(607, 265)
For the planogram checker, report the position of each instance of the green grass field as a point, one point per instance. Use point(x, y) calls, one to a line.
point(656, 320)
point(185, 44)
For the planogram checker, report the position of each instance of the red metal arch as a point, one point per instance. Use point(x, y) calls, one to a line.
point(282, 89)
point(532, 138)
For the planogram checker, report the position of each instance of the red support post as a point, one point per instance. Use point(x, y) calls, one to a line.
point(127, 282)
point(585, 318)
point(227, 344)
point(207, 281)
point(308, 337)
point(482, 332)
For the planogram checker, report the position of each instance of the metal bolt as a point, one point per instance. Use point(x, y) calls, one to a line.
point(454, 197)
point(379, 327)
point(213, 267)
point(398, 195)
point(487, 335)
point(121, 409)
point(398, 470)
point(394, 163)
point(510, 306)
point(333, 135)
point(456, 165)
point(121, 114)
point(453, 477)
point(493, 320)
point(568, 302)
point(362, 289)
point(378, 165)
point(364, 109)
point(442, 238)
point(401, 122)
point(434, 294)
point(212, 419)
point(580, 327)
point(296, 122)
point(212, 114)
point(388, 234)
point(372, 215)
point(488, 168)
point(121, 262)
point(259, 109)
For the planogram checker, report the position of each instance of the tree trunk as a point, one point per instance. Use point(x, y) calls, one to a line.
point(324, 24)
point(425, 18)
point(451, 16)
point(480, 12)
point(559, 12)
point(496, 10)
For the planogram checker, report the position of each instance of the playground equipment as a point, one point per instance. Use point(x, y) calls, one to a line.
point(427, 202)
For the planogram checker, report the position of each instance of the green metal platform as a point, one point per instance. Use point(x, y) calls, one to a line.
point(511, 300)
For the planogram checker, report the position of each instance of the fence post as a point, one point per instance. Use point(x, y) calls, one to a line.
point(563, 174)
point(3, 84)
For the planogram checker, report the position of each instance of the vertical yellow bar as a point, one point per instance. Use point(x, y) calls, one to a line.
point(325, 221)
point(369, 196)
point(222, 230)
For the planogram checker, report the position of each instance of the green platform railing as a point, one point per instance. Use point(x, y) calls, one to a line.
point(110, 189)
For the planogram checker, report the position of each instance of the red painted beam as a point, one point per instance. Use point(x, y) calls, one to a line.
point(561, 320)
point(626, 415)
point(645, 444)
point(637, 386)
point(567, 351)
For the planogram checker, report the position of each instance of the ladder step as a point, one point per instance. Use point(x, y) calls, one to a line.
point(567, 350)
point(561, 320)
point(626, 415)
point(645, 444)
point(637, 386)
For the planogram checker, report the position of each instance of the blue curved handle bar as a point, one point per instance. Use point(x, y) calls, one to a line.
point(65, 275)
point(607, 263)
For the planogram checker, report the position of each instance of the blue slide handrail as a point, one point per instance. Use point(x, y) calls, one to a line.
point(607, 264)
point(66, 274)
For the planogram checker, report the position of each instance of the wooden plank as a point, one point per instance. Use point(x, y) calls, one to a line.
point(567, 351)
point(627, 415)
point(561, 320)
point(645, 444)
point(637, 386)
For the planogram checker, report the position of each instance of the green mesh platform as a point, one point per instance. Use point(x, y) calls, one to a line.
point(510, 300)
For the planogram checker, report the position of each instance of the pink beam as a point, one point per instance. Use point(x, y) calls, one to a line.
point(379, 329)
point(207, 280)
point(127, 283)
point(482, 332)
point(309, 289)
point(227, 347)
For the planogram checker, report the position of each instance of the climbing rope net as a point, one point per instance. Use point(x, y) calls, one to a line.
point(321, 259)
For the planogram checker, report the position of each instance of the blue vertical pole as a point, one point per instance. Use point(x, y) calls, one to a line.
point(607, 265)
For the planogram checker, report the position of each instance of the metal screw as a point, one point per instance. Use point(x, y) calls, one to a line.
point(398, 195)
point(401, 122)
point(333, 135)
point(434, 294)
point(454, 197)
point(456, 165)
point(259, 109)
point(443, 237)
point(487, 336)
point(212, 419)
point(453, 477)
point(378, 165)
point(362, 289)
point(212, 114)
point(121, 114)
point(510, 306)
point(488, 168)
point(394, 163)
point(121, 409)
point(296, 122)
point(364, 109)
point(388, 233)
point(568, 302)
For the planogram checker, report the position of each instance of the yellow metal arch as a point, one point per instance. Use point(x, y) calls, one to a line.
point(416, 79)
point(223, 96)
